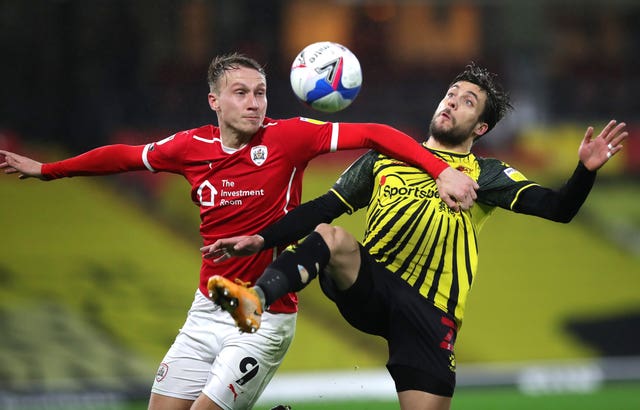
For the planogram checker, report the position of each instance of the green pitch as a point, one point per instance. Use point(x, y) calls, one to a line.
point(616, 396)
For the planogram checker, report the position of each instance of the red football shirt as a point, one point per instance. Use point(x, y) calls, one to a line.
point(242, 192)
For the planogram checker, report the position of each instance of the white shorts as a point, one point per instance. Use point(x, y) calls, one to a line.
point(210, 355)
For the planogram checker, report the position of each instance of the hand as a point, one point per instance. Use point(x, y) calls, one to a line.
point(594, 153)
point(223, 249)
point(14, 163)
point(457, 189)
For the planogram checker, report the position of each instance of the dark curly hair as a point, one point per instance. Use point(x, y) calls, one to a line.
point(497, 103)
point(220, 64)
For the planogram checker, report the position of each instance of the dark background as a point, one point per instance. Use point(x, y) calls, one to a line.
point(81, 73)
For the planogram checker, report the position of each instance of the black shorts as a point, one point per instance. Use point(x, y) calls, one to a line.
point(419, 335)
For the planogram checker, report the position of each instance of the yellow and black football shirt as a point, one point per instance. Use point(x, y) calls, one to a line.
point(413, 233)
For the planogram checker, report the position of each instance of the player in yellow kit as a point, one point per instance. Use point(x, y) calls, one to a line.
point(409, 279)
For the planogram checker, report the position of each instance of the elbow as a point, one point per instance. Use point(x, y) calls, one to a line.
point(562, 214)
point(566, 217)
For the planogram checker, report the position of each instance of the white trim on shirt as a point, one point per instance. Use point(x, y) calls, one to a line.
point(335, 130)
point(145, 157)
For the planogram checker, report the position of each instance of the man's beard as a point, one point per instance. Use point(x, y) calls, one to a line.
point(451, 137)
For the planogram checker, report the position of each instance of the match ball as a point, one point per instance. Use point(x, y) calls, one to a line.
point(326, 76)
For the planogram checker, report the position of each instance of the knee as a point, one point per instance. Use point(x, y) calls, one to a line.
point(337, 238)
point(325, 230)
point(344, 261)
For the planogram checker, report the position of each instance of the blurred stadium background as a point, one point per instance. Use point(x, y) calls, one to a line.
point(96, 275)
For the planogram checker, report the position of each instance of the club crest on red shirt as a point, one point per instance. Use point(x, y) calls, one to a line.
point(259, 154)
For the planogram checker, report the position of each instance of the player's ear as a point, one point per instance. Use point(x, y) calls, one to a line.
point(213, 102)
point(480, 129)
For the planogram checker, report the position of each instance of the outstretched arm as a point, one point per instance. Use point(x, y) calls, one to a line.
point(105, 160)
point(563, 204)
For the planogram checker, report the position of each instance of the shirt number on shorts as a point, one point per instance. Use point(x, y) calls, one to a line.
point(249, 367)
point(450, 338)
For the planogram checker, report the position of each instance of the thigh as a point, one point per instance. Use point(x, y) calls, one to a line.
point(184, 370)
point(421, 345)
point(363, 305)
point(344, 264)
point(247, 362)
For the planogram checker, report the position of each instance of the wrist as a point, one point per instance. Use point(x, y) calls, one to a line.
point(45, 172)
point(583, 168)
point(437, 173)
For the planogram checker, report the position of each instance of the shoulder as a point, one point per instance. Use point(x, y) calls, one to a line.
point(294, 122)
point(206, 134)
point(493, 170)
point(487, 164)
point(187, 140)
point(365, 163)
point(494, 165)
point(306, 137)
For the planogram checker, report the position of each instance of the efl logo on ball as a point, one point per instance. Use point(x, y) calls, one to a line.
point(326, 76)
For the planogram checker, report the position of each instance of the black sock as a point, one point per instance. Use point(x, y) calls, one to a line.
point(285, 274)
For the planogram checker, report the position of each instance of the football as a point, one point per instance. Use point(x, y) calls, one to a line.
point(326, 76)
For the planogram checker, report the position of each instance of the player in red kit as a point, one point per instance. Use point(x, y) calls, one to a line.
point(245, 174)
